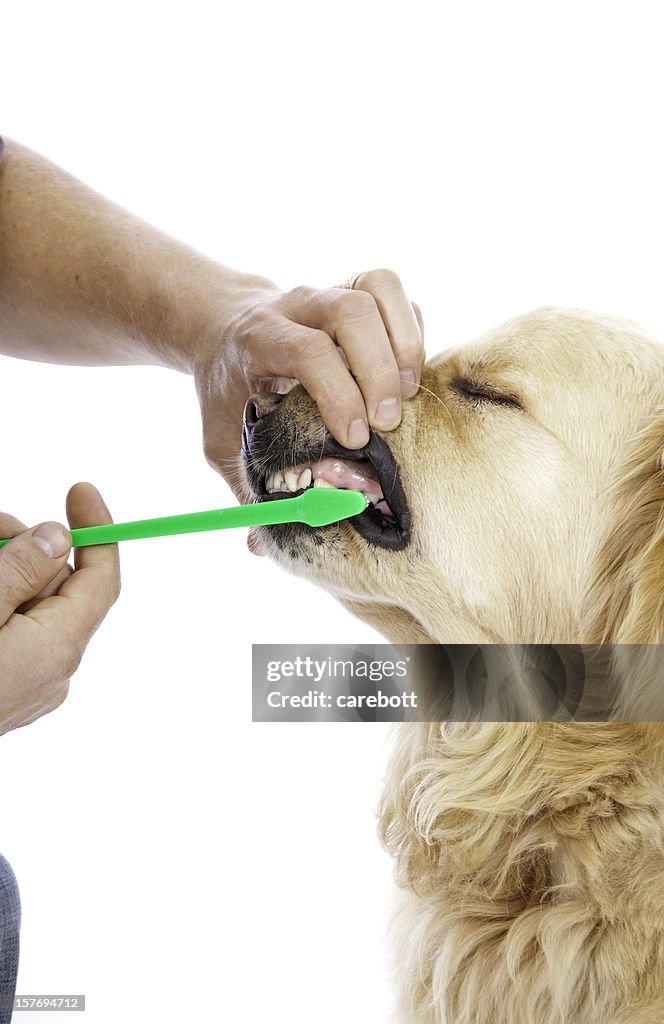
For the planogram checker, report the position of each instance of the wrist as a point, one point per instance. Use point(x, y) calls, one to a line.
point(191, 317)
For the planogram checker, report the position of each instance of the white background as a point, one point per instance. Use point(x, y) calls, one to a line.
point(176, 861)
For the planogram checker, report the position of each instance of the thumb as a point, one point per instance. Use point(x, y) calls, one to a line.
point(28, 562)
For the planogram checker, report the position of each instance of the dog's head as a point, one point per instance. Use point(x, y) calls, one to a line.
point(519, 501)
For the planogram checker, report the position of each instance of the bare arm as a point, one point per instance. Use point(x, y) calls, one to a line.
point(84, 281)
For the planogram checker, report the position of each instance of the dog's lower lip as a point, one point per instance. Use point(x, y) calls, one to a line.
point(372, 525)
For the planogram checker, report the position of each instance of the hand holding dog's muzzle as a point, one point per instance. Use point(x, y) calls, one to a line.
point(357, 349)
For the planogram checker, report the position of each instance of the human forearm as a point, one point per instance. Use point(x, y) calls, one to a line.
point(84, 281)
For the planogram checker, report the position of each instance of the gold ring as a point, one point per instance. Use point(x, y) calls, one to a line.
point(350, 281)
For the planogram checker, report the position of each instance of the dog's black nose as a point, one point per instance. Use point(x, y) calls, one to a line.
point(255, 409)
point(260, 405)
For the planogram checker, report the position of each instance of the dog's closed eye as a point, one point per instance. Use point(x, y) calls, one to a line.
point(482, 393)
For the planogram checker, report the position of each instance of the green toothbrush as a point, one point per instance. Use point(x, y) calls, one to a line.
point(316, 507)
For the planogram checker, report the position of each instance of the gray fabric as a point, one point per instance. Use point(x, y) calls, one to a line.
point(10, 924)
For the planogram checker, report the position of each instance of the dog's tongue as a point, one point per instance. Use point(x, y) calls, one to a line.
point(353, 476)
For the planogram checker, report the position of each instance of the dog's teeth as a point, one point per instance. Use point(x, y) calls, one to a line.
point(269, 483)
point(279, 483)
point(291, 480)
point(321, 482)
point(304, 479)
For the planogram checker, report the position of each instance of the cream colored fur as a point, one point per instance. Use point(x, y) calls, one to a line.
point(530, 856)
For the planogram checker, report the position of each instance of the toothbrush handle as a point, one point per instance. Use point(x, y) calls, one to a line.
point(313, 507)
point(165, 526)
point(169, 526)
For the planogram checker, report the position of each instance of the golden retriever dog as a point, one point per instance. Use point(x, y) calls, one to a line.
point(521, 501)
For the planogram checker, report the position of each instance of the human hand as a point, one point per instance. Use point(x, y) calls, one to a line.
point(357, 352)
point(49, 611)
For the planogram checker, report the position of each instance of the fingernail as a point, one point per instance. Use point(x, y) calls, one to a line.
point(52, 539)
point(358, 432)
point(408, 385)
point(388, 413)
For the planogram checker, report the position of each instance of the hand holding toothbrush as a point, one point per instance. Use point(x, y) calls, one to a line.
point(49, 611)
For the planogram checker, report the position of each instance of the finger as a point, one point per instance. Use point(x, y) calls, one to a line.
point(275, 385)
point(28, 563)
point(253, 543)
point(401, 324)
point(222, 443)
point(86, 507)
point(97, 566)
point(83, 600)
point(314, 361)
point(10, 526)
point(50, 588)
point(353, 320)
point(420, 319)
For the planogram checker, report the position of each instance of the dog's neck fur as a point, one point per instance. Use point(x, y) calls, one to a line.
point(436, 620)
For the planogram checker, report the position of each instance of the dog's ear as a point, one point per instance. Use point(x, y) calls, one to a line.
point(626, 600)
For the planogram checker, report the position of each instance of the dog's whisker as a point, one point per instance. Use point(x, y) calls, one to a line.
point(438, 399)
